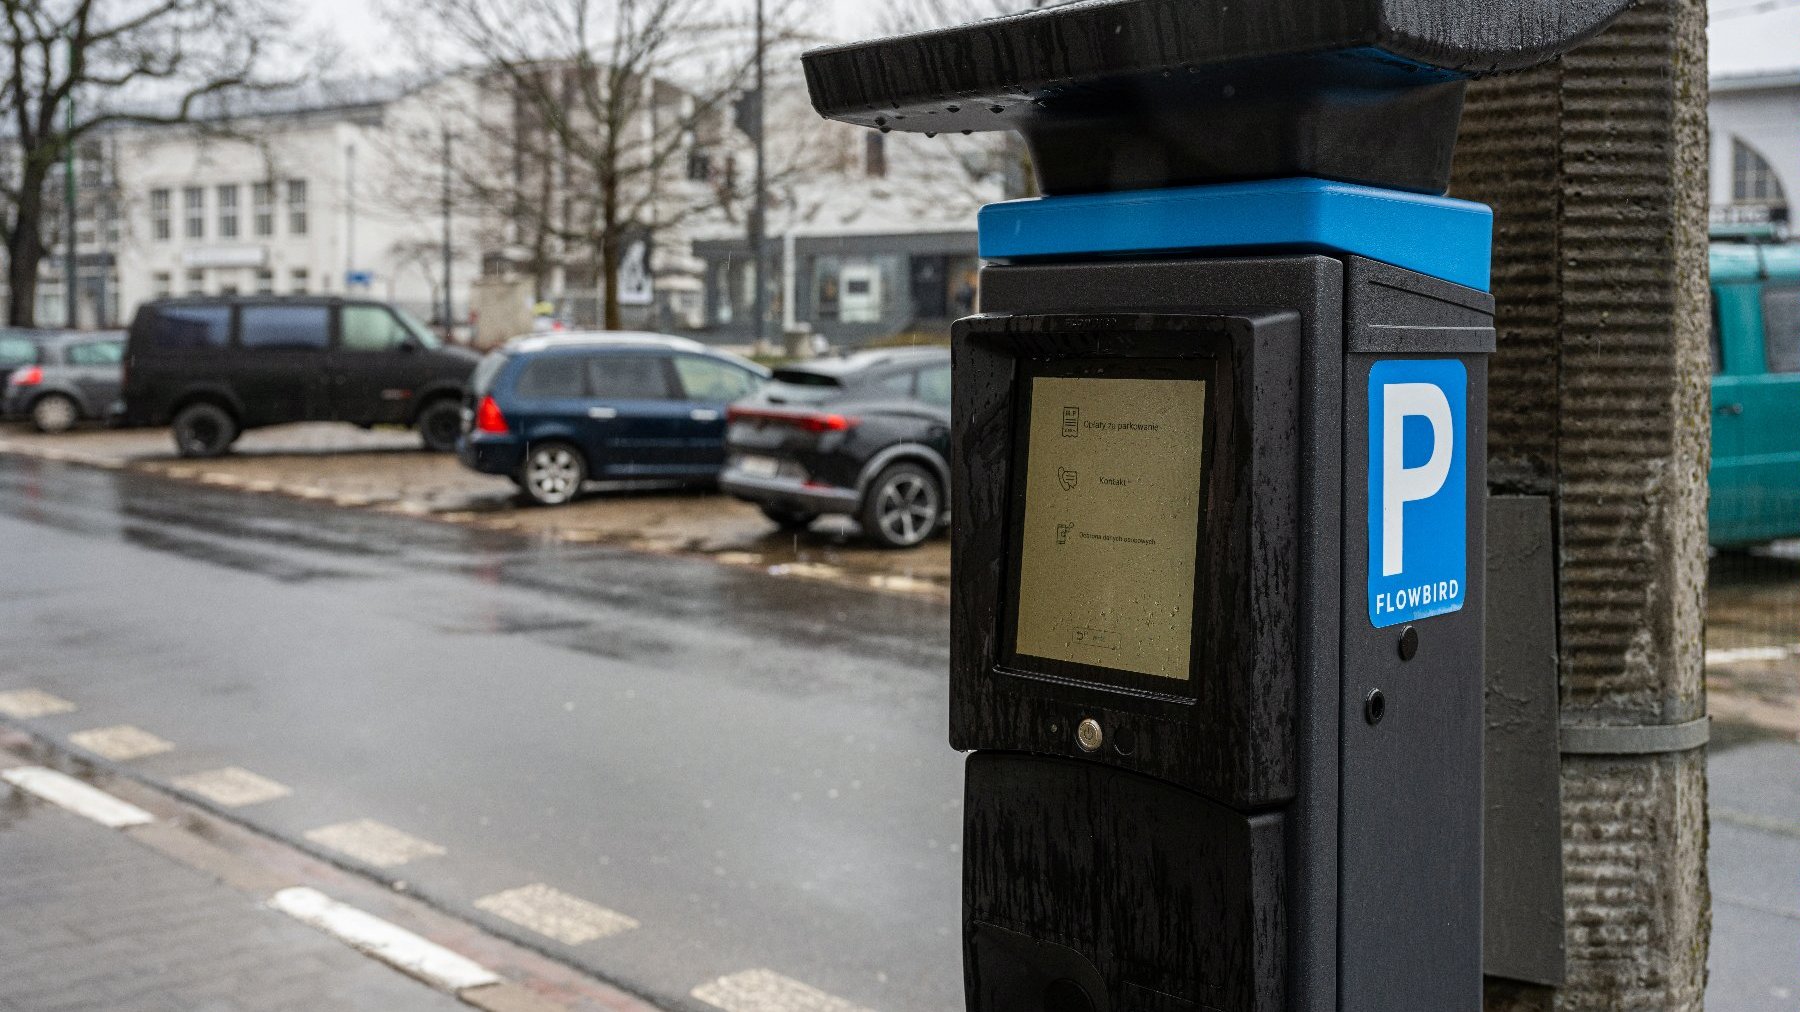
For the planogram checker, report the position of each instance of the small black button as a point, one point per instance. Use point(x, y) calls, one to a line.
point(1409, 644)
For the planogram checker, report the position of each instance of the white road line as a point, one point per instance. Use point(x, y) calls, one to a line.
point(555, 914)
point(768, 991)
point(388, 942)
point(28, 703)
point(1748, 655)
point(374, 843)
point(121, 742)
point(85, 800)
point(232, 787)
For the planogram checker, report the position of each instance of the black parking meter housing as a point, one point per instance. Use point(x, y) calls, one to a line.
point(1219, 476)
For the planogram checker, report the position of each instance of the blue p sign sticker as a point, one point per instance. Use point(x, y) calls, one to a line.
point(1418, 489)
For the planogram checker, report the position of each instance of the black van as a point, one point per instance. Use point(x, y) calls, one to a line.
point(212, 367)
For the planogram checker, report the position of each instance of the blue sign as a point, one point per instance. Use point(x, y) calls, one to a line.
point(1418, 489)
point(359, 279)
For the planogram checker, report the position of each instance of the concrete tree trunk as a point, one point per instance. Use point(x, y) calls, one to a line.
point(1596, 167)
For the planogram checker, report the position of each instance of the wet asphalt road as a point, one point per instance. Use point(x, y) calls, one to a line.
point(753, 769)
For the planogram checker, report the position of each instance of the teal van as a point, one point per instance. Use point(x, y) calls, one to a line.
point(1755, 393)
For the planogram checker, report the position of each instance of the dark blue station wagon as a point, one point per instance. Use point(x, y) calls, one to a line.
point(552, 412)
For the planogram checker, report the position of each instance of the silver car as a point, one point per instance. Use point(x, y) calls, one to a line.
point(77, 376)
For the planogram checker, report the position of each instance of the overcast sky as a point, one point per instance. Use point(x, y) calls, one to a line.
point(1748, 36)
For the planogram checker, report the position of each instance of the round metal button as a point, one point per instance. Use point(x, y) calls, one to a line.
point(1089, 735)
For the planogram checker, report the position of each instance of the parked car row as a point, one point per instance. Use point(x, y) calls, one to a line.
point(865, 435)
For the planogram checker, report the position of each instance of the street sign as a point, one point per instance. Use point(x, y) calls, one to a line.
point(359, 279)
point(1418, 489)
point(637, 285)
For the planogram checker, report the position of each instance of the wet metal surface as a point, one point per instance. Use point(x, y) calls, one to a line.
point(752, 769)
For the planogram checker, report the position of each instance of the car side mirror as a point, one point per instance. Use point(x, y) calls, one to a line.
point(410, 343)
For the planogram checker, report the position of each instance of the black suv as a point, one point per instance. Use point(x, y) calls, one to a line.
point(866, 435)
point(212, 367)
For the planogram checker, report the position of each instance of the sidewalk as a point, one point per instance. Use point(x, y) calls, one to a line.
point(116, 896)
point(1754, 795)
point(95, 920)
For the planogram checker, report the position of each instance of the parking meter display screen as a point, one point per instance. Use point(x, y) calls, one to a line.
point(1108, 515)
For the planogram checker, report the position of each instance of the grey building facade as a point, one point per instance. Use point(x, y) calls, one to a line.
point(852, 289)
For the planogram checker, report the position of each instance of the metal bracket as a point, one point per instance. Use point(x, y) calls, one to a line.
point(1635, 739)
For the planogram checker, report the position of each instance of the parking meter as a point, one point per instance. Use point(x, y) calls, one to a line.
point(1219, 478)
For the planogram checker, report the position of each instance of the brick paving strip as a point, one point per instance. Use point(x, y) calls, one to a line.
point(117, 895)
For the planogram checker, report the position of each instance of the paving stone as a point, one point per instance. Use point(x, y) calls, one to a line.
point(172, 938)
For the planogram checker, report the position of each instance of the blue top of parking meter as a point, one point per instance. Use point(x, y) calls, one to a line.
point(1436, 236)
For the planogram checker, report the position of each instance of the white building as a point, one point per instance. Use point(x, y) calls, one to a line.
point(289, 200)
point(1755, 121)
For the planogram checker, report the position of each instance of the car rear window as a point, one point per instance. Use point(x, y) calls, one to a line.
point(551, 378)
point(934, 386)
point(96, 353)
point(285, 328)
point(486, 370)
point(629, 378)
point(17, 351)
point(798, 386)
point(183, 328)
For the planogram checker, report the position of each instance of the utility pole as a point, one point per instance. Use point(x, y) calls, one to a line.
point(71, 305)
point(350, 212)
point(759, 223)
point(449, 324)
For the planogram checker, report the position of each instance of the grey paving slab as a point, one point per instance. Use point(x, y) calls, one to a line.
point(103, 923)
point(1754, 794)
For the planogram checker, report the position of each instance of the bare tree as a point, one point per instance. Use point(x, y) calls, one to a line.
point(597, 120)
point(117, 61)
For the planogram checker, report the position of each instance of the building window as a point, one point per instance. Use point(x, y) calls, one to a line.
point(164, 284)
point(298, 280)
point(875, 156)
point(699, 165)
point(265, 282)
point(160, 228)
point(193, 204)
point(110, 214)
point(262, 206)
point(228, 212)
point(196, 281)
point(1753, 180)
point(296, 206)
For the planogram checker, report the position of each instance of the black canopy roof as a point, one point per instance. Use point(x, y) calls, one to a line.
point(1147, 68)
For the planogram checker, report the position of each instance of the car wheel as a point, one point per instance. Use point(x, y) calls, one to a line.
point(553, 474)
point(440, 424)
point(55, 413)
point(903, 506)
point(204, 430)
point(789, 520)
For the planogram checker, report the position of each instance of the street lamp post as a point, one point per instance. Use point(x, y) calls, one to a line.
point(449, 324)
point(71, 308)
point(759, 224)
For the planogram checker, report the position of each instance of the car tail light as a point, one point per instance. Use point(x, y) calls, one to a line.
point(488, 417)
point(808, 421)
point(29, 376)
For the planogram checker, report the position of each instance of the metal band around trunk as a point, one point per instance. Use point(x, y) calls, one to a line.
point(1636, 739)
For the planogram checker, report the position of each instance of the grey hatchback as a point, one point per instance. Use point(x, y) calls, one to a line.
point(76, 377)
